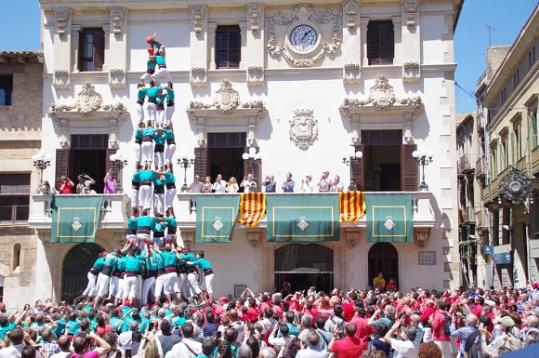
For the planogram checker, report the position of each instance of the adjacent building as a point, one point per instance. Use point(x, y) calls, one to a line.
point(376, 76)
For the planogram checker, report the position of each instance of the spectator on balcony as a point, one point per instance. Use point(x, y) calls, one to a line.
point(84, 181)
point(249, 184)
point(110, 183)
point(325, 183)
point(45, 188)
point(232, 187)
point(392, 285)
point(196, 186)
point(288, 185)
point(207, 186)
point(219, 186)
point(379, 281)
point(66, 185)
point(307, 184)
point(336, 185)
point(269, 184)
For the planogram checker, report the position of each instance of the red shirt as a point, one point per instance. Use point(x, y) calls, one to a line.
point(348, 347)
point(426, 311)
point(349, 310)
point(362, 328)
point(251, 315)
point(438, 327)
point(476, 310)
point(66, 188)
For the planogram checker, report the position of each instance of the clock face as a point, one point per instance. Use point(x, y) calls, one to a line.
point(303, 38)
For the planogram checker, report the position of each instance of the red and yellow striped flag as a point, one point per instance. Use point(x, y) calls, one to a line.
point(352, 206)
point(252, 208)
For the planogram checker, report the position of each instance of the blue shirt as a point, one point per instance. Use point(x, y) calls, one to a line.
point(288, 187)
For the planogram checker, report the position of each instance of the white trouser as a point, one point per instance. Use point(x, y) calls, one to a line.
point(147, 288)
point(121, 288)
point(207, 284)
point(162, 75)
point(138, 152)
point(192, 277)
point(180, 283)
point(134, 198)
point(91, 287)
point(159, 286)
point(159, 203)
point(159, 159)
point(145, 197)
point(114, 286)
point(146, 77)
point(146, 149)
point(102, 285)
point(158, 241)
point(160, 118)
point(142, 239)
point(169, 111)
point(131, 287)
point(169, 197)
point(445, 347)
point(140, 113)
point(170, 280)
point(186, 287)
point(179, 240)
point(170, 149)
point(151, 109)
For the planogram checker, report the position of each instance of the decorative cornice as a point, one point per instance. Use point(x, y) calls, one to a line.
point(198, 17)
point(62, 16)
point(410, 8)
point(117, 18)
point(351, 12)
point(254, 14)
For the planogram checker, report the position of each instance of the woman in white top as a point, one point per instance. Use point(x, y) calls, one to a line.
point(336, 185)
point(307, 185)
point(232, 186)
point(219, 187)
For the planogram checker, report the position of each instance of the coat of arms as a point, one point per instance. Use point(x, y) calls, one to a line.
point(381, 94)
point(226, 98)
point(88, 100)
point(303, 128)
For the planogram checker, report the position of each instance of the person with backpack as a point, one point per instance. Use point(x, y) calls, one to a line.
point(441, 328)
point(336, 321)
point(469, 336)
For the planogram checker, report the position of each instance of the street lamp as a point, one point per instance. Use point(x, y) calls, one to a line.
point(185, 161)
point(41, 161)
point(348, 157)
point(423, 158)
point(119, 161)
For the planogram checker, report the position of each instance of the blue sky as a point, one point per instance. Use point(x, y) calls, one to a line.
point(471, 37)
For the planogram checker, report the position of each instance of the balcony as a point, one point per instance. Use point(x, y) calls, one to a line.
point(114, 212)
point(468, 215)
point(464, 165)
point(480, 168)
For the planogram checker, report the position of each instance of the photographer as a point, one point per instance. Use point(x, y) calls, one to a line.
point(348, 346)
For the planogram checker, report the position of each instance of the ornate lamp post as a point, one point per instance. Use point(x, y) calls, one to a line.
point(41, 161)
point(348, 157)
point(119, 161)
point(185, 161)
point(423, 158)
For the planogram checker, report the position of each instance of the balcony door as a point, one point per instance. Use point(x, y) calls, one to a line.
point(88, 155)
point(384, 258)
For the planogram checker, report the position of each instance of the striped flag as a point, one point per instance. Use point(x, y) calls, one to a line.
point(352, 206)
point(252, 208)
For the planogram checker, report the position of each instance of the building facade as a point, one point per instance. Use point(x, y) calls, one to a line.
point(299, 83)
point(507, 99)
point(21, 93)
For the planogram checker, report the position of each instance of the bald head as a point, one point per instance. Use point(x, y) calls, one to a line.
point(532, 321)
point(471, 320)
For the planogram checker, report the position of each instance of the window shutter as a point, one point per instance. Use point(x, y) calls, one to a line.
point(357, 169)
point(62, 163)
point(409, 168)
point(99, 49)
point(373, 41)
point(80, 52)
point(201, 162)
point(257, 173)
point(387, 43)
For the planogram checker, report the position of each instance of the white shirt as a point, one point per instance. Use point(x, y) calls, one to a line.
point(181, 350)
point(403, 349)
point(307, 187)
point(248, 186)
point(13, 351)
point(60, 355)
point(219, 187)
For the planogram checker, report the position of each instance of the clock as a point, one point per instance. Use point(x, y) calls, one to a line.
point(303, 38)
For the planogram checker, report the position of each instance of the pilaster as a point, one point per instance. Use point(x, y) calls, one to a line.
point(411, 53)
point(351, 45)
point(199, 41)
point(62, 47)
point(254, 45)
point(117, 49)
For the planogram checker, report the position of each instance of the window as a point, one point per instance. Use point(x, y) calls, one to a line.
point(14, 198)
point(517, 150)
point(516, 78)
point(380, 42)
point(532, 123)
point(504, 158)
point(16, 256)
point(6, 88)
point(503, 96)
point(228, 46)
point(493, 157)
point(91, 49)
point(531, 57)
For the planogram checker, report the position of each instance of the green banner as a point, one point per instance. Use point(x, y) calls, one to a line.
point(389, 218)
point(75, 218)
point(216, 216)
point(303, 217)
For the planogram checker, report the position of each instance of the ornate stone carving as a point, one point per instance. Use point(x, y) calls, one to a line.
point(62, 79)
point(254, 14)
point(198, 76)
point(303, 128)
point(410, 12)
point(198, 13)
point(516, 187)
point(411, 72)
point(62, 16)
point(382, 98)
point(351, 238)
point(226, 100)
point(254, 237)
point(351, 73)
point(117, 17)
point(421, 236)
point(201, 131)
point(351, 11)
point(116, 78)
point(303, 14)
point(255, 75)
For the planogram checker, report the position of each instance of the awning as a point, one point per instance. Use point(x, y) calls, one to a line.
point(389, 218)
point(75, 218)
point(216, 216)
point(303, 218)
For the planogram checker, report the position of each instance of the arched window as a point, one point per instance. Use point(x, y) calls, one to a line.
point(77, 263)
point(16, 256)
point(384, 258)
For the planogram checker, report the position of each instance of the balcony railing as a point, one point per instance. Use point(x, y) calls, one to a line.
point(114, 211)
point(464, 164)
point(480, 168)
point(424, 209)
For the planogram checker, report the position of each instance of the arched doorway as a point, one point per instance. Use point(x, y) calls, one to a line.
point(304, 266)
point(77, 263)
point(383, 258)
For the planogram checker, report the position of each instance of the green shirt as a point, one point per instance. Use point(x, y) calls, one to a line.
point(132, 264)
point(169, 258)
point(169, 178)
point(4, 330)
point(159, 139)
point(153, 92)
point(148, 132)
point(141, 93)
point(152, 262)
point(202, 263)
point(120, 266)
point(98, 264)
point(170, 94)
point(160, 59)
point(132, 223)
point(168, 134)
point(146, 222)
point(146, 175)
point(170, 221)
point(111, 260)
point(135, 178)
